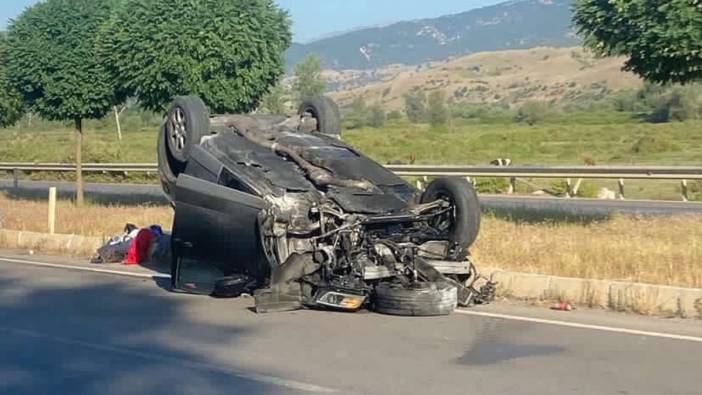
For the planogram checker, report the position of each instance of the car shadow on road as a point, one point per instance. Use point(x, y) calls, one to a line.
point(499, 344)
point(113, 337)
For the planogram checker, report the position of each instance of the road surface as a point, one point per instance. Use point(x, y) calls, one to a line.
point(71, 332)
point(131, 193)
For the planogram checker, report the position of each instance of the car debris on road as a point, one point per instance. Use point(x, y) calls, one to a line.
point(281, 208)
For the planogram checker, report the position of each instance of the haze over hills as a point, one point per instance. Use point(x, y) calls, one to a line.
point(515, 24)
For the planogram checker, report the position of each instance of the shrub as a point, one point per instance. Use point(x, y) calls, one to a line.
point(653, 145)
point(437, 111)
point(416, 106)
point(377, 117)
point(394, 115)
point(531, 113)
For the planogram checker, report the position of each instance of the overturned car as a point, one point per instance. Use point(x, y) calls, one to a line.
point(282, 209)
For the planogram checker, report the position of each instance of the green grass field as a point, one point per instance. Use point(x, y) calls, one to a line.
point(562, 139)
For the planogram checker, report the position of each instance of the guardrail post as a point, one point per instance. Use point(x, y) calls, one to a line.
point(621, 189)
point(15, 178)
point(569, 188)
point(512, 186)
point(52, 210)
point(683, 187)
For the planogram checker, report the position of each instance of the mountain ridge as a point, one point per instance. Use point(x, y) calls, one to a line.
point(516, 24)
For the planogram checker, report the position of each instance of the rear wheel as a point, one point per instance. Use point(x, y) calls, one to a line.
point(187, 121)
point(325, 112)
point(419, 299)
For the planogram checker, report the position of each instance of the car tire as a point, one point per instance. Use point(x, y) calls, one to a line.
point(419, 300)
point(187, 121)
point(325, 111)
point(465, 224)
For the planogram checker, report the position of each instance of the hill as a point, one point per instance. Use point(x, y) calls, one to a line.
point(510, 25)
point(563, 75)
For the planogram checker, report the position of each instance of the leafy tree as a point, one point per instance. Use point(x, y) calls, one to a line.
point(416, 106)
point(662, 38)
point(10, 101)
point(308, 78)
point(274, 102)
point(355, 114)
point(227, 51)
point(438, 112)
point(52, 62)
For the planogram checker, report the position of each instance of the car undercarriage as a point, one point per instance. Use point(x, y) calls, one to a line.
point(280, 208)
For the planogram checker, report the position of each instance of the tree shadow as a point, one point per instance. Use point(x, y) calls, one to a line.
point(60, 336)
point(540, 216)
point(96, 193)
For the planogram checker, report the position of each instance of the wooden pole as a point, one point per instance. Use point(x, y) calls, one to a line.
point(52, 210)
point(80, 195)
point(621, 189)
point(119, 127)
point(683, 187)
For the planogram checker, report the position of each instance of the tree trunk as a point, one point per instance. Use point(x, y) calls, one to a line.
point(80, 196)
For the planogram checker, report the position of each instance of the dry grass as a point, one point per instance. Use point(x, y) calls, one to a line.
point(650, 250)
point(91, 220)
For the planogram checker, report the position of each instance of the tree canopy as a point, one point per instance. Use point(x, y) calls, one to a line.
point(308, 78)
point(51, 59)
point(661, 38)
point(230, 52)
point(10, 101)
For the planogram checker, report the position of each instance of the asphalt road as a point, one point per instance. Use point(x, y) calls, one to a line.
point(131, 193)
point(69, 332)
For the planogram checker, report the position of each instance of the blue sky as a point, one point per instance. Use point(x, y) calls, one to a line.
point(316, 18)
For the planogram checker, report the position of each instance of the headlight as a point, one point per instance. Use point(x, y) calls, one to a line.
point(341, 301)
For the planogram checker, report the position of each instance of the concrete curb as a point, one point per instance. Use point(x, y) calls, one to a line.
point(70, 244)
point(647, 299)
point(638, 298)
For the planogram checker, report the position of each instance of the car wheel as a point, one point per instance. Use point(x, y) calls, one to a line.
point(462, 222)
point(187, 121)
point(419, 299)
point(325, 111)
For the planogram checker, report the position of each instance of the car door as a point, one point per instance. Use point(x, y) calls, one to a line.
point(215, 234)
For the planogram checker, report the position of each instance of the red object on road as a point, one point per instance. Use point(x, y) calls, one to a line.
point(562, 306)
point(139, 250)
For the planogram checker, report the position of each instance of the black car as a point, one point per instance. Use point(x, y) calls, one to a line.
point(281, 208)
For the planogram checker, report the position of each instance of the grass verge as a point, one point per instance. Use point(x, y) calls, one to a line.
point(655, 250)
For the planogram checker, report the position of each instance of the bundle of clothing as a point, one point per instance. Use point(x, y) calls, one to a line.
point(135, 246)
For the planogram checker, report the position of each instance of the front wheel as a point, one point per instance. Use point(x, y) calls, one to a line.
point(461, 222)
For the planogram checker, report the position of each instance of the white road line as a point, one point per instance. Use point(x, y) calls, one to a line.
point(581, 326)
point(277, 381)
point(86, 269)
point(464, 312)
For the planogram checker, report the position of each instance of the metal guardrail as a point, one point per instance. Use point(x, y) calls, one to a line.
point(680, 173)
point(601, 172)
